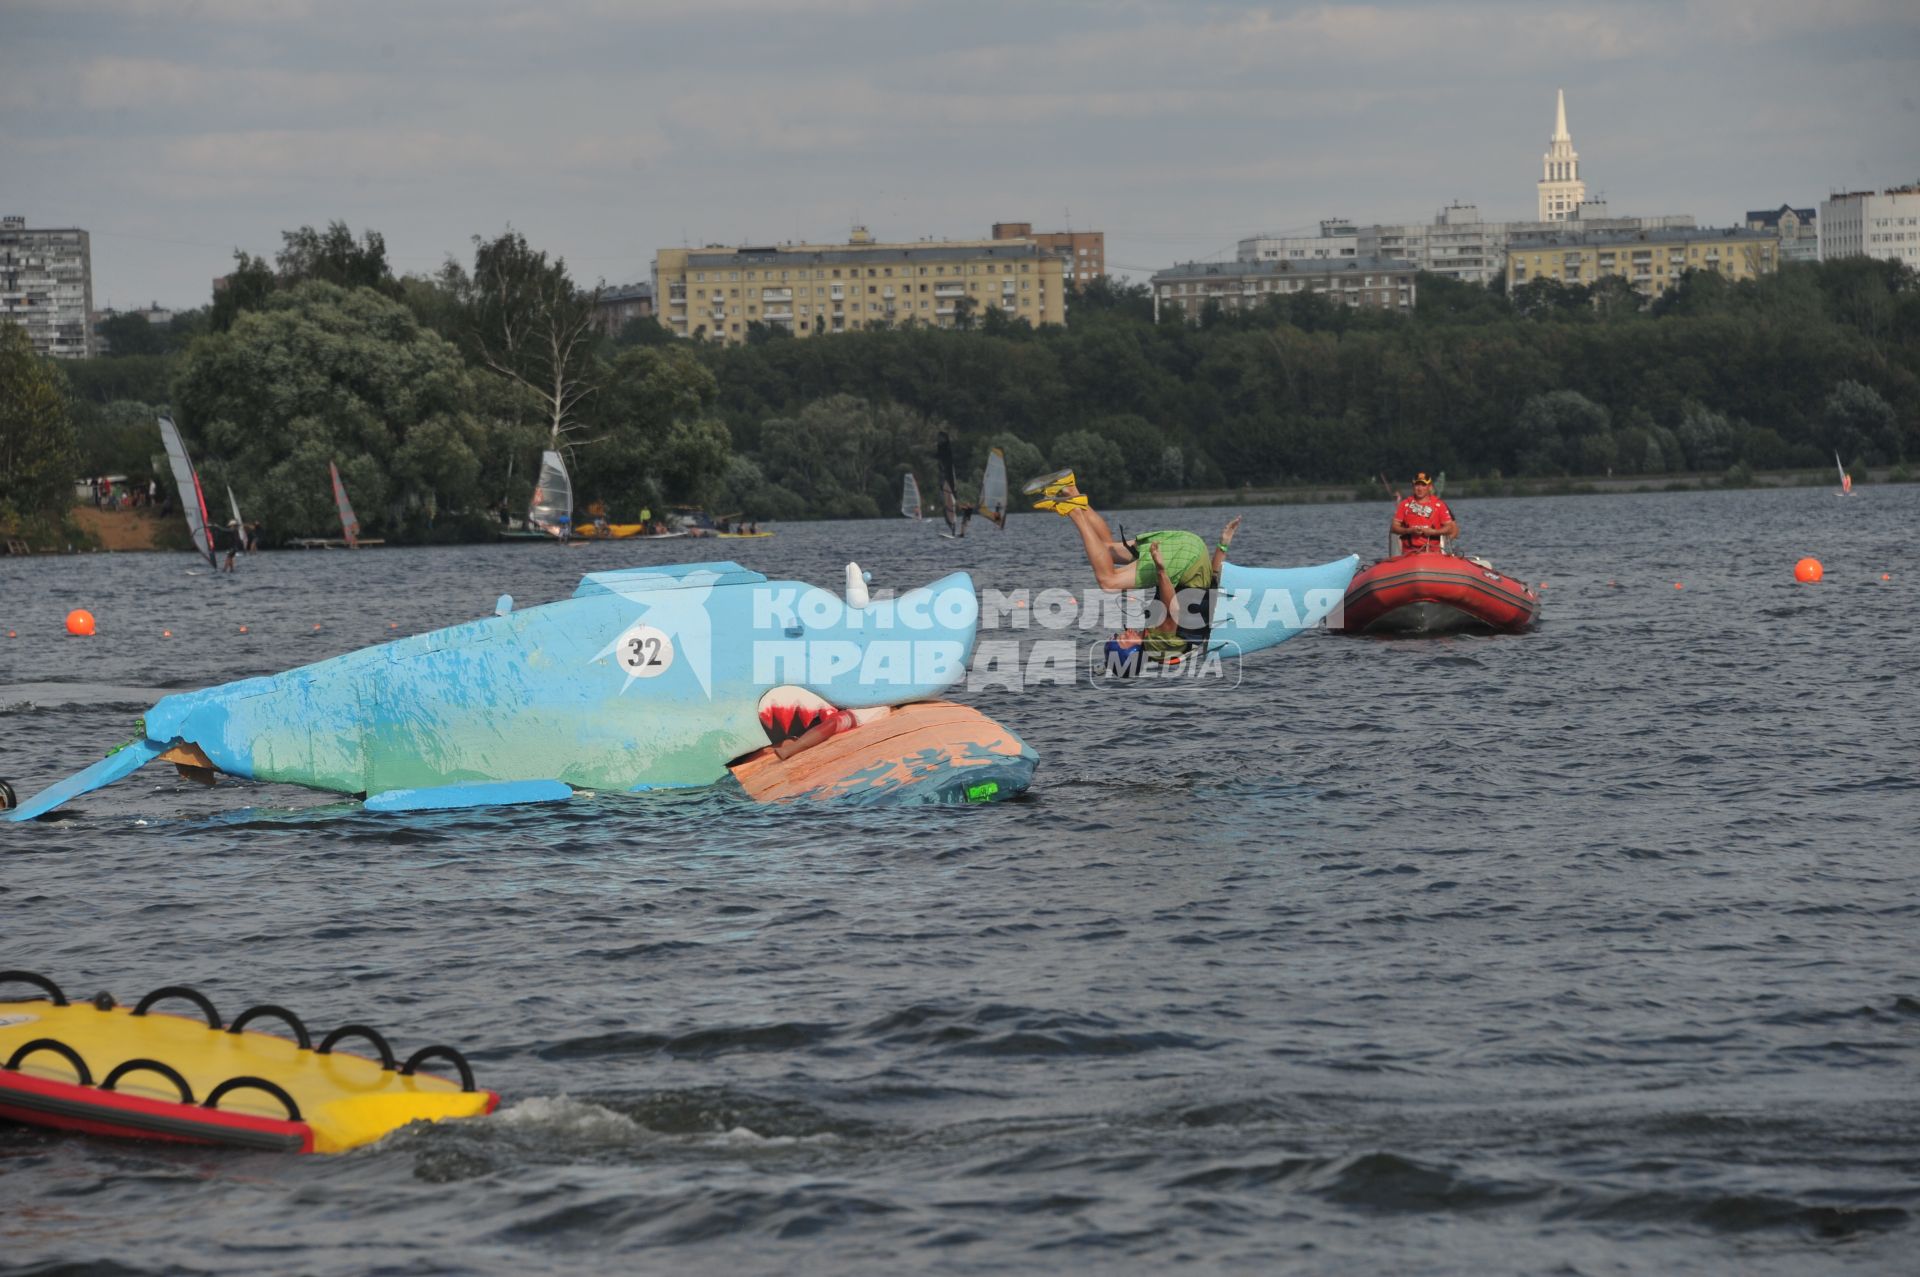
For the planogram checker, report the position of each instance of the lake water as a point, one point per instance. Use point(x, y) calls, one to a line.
point(1591, 950)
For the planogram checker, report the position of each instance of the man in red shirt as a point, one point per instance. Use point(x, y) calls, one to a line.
point(1421, 519)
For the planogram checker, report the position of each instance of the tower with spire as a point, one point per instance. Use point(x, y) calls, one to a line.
point(1561, 190)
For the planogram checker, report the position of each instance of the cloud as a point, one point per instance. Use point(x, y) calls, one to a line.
point(179, 11)
point(269, 159)
point(106, 83)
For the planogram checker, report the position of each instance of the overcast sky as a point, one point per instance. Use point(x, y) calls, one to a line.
point(178, 130)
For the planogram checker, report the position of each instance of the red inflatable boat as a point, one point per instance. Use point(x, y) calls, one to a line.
point(1436, 593)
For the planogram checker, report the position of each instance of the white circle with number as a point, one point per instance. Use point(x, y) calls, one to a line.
point(645, 652)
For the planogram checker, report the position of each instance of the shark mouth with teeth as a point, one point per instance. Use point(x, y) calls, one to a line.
point(788, 711)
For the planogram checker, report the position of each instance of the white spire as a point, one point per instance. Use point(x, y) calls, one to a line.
point(1561, 190)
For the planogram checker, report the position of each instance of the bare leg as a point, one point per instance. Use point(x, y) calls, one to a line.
point(1103, 552)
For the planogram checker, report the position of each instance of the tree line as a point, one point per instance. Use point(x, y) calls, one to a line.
point(435, 394)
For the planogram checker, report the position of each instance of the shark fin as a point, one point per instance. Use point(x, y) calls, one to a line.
point(125, 761)
point(492, 793)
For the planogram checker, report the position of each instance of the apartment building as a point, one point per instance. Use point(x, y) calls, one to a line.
point(46, 286)
point(717, 293)
point(1870, 224)
point(1379, 283)
point(1651, 260)
point(1798, 229)
point(1084, 252)
point(1337, 238)
point(621, 304)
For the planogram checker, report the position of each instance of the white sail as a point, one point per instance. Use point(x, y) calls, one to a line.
point(187, 484)
point(1846, 480)
point(552, 508)
point(239, 524)
point(993, 489)
point(910, 496)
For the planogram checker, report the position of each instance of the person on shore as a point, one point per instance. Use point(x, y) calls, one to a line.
point(1176, 565)
point(1423, 518)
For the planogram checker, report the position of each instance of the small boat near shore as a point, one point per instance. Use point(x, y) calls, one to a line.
point(1433, 592)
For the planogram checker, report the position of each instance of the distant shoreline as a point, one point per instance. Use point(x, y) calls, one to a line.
point(1483, 489)
point(142, 526)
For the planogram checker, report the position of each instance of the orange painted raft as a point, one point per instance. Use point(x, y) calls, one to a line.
point(930, 752)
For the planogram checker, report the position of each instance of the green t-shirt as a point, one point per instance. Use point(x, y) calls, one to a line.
point(1188, 561)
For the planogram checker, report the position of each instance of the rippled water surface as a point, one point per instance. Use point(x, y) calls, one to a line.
point(1589, 951)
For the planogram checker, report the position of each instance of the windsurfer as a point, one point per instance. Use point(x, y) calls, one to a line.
point(1175, 565)
point(1423, 518)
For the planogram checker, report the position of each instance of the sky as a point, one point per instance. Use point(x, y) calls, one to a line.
point(176, 131)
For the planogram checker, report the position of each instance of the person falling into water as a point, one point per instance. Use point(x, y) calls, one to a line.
point(1422, 519)
point(1175, 565)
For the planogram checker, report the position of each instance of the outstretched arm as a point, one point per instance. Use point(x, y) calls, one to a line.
point(1226, 543)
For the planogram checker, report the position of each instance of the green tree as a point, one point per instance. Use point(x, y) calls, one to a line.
point(1706, 437)
point(656, 441)
point(37, 447)
point(246, 287)
point(1096, 462)
point(1565, 432)
point(1024, 461)
point(332, 256)
point(325, 374)
point(1858, 423)
point(133, 335)
point(527, 322)
point(843, 455)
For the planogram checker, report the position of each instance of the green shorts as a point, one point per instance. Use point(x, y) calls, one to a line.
point(1188, 560)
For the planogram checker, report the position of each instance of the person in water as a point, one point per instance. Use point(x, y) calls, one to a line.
point(1175, 565)
point(1422, 519)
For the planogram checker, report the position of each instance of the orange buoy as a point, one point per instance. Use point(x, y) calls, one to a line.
point(243, 629)
point(1884, 576)
point(11, 634)
point(1808, 570)
point(1678, 586)
point(393, 625)
point(316, 625)
point(80, 622)
point(166, 633)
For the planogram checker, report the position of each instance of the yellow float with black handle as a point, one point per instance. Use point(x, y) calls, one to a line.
point(105, 1069)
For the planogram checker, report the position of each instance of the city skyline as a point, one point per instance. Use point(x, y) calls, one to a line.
point(606, 131)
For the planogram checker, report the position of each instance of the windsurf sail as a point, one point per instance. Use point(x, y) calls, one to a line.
point(239, 524)
point(993, 490)
point(187, 483)
point(910, 496)
point(349, 524)
point(1846, 480)
point(552, 509)
point(949, 487)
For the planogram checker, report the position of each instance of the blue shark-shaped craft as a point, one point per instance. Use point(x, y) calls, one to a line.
point(645, 678)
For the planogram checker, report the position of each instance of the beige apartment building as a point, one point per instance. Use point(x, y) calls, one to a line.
point(717, 293)
point(1651, 260)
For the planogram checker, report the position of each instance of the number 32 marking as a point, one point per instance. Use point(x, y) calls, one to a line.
point(645, 652)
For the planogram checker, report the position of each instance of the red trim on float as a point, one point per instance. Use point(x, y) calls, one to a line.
point(71, 1107)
